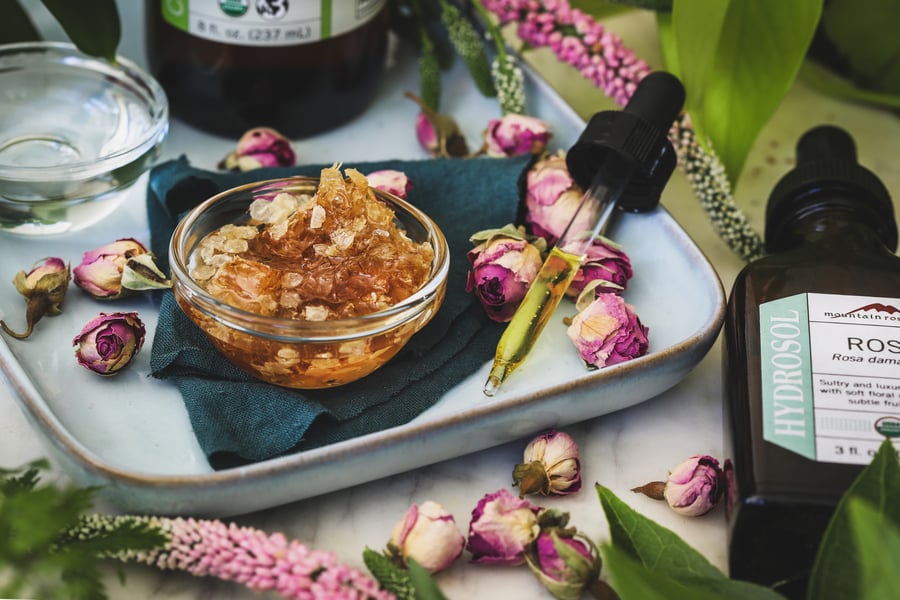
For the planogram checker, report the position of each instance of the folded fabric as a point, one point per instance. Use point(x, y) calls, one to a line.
point(239, 419)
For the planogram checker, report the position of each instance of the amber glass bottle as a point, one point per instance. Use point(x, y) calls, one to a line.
point(810, 359)
point(300, 66)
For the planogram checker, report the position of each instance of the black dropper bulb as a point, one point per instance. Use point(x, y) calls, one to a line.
point(827, 175)
point(638, 133)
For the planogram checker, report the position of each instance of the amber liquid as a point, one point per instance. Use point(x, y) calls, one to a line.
point(781, 502)
point(300, 90)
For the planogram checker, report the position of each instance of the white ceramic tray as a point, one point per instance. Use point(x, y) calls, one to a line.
point(131, 434)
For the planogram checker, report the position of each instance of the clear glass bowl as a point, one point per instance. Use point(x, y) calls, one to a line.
point(295, 353)
point(75, 133)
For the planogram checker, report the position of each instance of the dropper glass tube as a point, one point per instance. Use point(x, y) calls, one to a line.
point(559, 269)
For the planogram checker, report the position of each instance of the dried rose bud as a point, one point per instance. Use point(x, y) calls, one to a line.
point(606, 330)
point(552, 197)
point(563, 559)
point(501, 528)
point(117, 269)
point(550, 466)
point(438, 134)
point(514, 135)
point(44, 288)
point(390, 181)
point(260, 147)
point(428, 534)
point(108, 342)
point(606, 263)
point(504, 263)
point(692, 489)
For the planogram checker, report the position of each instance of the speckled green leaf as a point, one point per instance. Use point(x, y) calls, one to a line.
point(15, 25)
point(92, 25)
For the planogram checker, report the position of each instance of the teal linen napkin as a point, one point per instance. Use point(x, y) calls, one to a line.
point(238, 419)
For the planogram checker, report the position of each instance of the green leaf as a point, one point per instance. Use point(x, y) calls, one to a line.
point(16, 26)
point(92, 25)
point(632, 580)
point(391, 577)
point(878, 542)
point(737, 60)
point(424, 584)
point(837, 572)
point(654, 546)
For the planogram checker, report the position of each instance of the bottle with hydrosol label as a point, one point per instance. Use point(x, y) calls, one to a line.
point(299, 66)
point(811, 359)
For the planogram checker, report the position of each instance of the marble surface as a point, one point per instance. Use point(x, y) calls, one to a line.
point(619, 450)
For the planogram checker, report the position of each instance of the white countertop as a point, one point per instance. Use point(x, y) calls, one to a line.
point(619, 450)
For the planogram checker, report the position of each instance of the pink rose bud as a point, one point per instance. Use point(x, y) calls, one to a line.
point(427, 135)
point(428, 534)
point(607, 331)
point(550, 466)
point(108, 342)
point(514, 135)
point(692, 489)
point(501, 528)
point(566, 562)
point(552, 197)
point(438, 134)
point(503, 265)
point(606, 263)
point(115, 270)
point(44, 288)
point(390, 181)
point(260, 147)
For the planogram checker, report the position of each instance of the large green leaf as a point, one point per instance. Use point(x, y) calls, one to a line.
point(656, 547)
point(738, 59)
point(92, 25)
point(838, 571)
point(15, 25)
point(879, 550)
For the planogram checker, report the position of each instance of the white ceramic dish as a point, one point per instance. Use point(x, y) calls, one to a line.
point(131, 434)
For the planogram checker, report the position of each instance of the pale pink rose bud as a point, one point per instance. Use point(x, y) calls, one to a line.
point(390, 181)
point(552, 197)
point(503, 266)
point(551, 465)
point(606, 263)
point(501, 528)
point(692, 489)
point(514, 135)
point(607, 331)
point(109, 342)
point(427, 135)
point(115, 270)
point(565, 561)
point(260, 147)
point(44, 288)
point(428, 534)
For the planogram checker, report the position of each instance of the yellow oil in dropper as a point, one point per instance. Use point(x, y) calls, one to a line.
point(623, 159)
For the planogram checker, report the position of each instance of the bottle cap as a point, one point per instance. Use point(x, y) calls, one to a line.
point(638, 133)
point(828, 174)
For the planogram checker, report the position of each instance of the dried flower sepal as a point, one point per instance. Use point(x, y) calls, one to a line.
point(44, 288)
point(142, 273)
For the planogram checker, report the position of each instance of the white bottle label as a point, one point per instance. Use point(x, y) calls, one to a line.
point(830, 368)
point(269, 22)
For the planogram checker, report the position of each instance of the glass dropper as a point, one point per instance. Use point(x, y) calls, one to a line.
point(623, 159)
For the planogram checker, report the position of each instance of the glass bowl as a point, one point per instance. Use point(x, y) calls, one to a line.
point(75, 133)
point(298, 353)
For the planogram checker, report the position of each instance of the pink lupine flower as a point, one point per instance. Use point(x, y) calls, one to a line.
point(606, 263)
point(501, 528)
point(254, 558)
point(117, 269)
point(552, 197)
point(550, 465)
point(503, 265)
point(260, 147)
point(390, 181)
point(566, 562)
point(44, 287)
point(108, 342)
point(515, 135)
point(692, 489)
point(428, 534)
point(606, 330)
